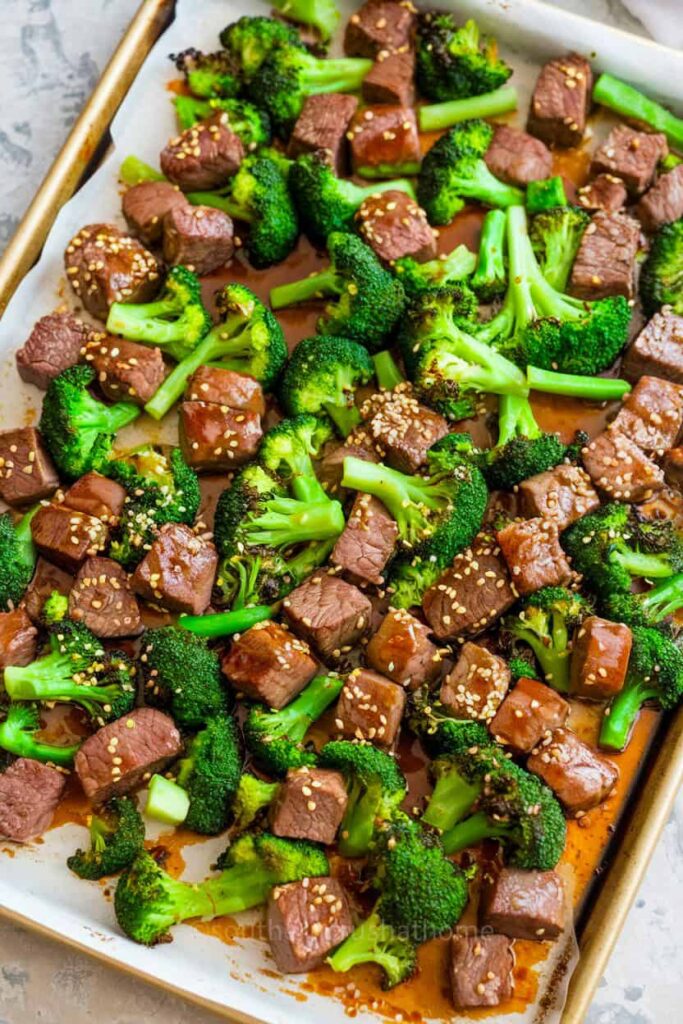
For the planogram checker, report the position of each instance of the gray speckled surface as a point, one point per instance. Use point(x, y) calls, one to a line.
point(50, 59)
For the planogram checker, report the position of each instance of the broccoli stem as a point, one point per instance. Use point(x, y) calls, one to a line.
point(371, 942)
point(226, 623)
point(450, 801)
point(288, 521)
point(315, 286)
point(25, 548)
point(341, 74)
point(593, 389)
point(295, 720)
point(166, 801)
point(221, 201)
point(621, 715)
point(357, 194)
point(387, 372)
point(16, 737)
point(553, 658)
point(344, 417)
point(629, 102)
point(145, 321)
point(358, 825)
point(472, 831)
point(490, 269)
point(395, 489)
point(640, 563)
point(435, 117)
point(133, 170)
point(515, 419)
point(664, 599)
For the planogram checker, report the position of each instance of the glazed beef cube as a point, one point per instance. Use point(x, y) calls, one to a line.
point(102, 601)
point(480, 970)
point(524, 904)
point(533, 554)
point(310, 804)
point(306, 920)
point(394, 225)
point(330, 468)
point(97, 496)
point(17, 638)
point(672, 465)
point(600, 658)
point(67, 537)
point(529, 712)
point(269, 664)
point(477, 685)
point(472, 594)
point(53, 345)
point(26, 470)
point(652, 414)
point(402, 428)
point(322, 125)
point(103, 265)
point(178, 571)
point(402, 651)
point(46, 578)
point(605, 261)
point(663, 203)
point(145, 205)
point(384, 142)
point(561, 101)
point(329, 613)
point(657, 350)
point(603, 193)
point(126, 753)
point(216, 438)
point(632, 156)
point(563, 494)
point(203, 157)
point(370, 708)
point(198, 237)
point(379, 25)
point(579, 777)
point(29, 794)
point(391, 78)
point(226, 387)
point(368, 541)
point(516, 157)
point(620, 469)
point(126, 371)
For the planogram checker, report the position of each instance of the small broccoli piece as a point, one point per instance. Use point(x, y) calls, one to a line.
point(250, 40)
point(55, 608)
point(522, 449)
point(387, 371)
point(18, 736)
point(226, 623)
point(555, 236)
point(208, 74)
point(521, 668)
point(182, 673)
point(210, 772)
point(546, 621)
point(288, 449)
point(450, 269)
point(440, 733)
point(17, 558)
point(377, 943)
point(633, 105)
point(436, 117)
point(645, 609)
point(117, 833)
point(322, 15)
point(252, 797)
point(456, 62)
point(545, 194)
point(490, 276)
point(245, 120)
point(661, 277)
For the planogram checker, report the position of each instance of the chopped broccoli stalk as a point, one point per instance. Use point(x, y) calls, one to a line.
point(546, 622)
point(436, 117)
point(210, 773)
point(288, 449)
point(374, 942)
point(182, 673)
point(522, 449)
point(133, 170)
point(322, 15)
point(648, 608)
point(555, 238)
point(166, 801)
point(661, 277)
point(252, 797)
point(18, 736)
point(17, 557)
point(447, 270)
point(545, 194)
point(287, 521)
point(208, 74)
point(226, 623)
point(117, 833)
point(611, 92)
point(490, 277)
point(250, 39)
point(452, 796)
point(387, 372)
point(456, 62)
point(592, 389)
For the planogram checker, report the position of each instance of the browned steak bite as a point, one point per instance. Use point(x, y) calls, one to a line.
point(391, 78)
point(126, 753)
point(146, 204)
point(310, 804)
point(178, 571)
point(101, 599)
point(53, 345)
point(225, 387)
point(563, 494)
point(402, 651)
point(394, 225)
point(203, 157)
point(652, 414)
point(126, 371)
point(384, 142)
point(523, 904)
point(561, 101)
point(632, 156)
point(198, 237)
point(329, 613)
point(104, 265)
point(529, 713)
point(667, 503)
point(368, 541)
point(534, 555)
point(330, 468)
point(26, 470)
point(29, 794)
point(306, 920)
point(46, 579)
point(67, 537)
point(216, 438)
point(480, 970)
point(269, 664)
point(516, 157)
point(620, 469)
point(370, 708)
point(402, 428)
point(379, 25)
point(600, 658)
point(322, 125)
point(657, 350)
point(477, 685)
point(602, 193)
point(663, 203)
point(605, 262)
point(17, 638)
point(97, 496)
point(579, 777)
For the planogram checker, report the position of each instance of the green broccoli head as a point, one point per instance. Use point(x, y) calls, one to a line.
point(18, 736)
point(454, 268)
point(17, 558)
point(208, 75)
point(117, 834)
point(456, 62)
point(546, 621)
point(260, 197)
point(430, 314)
point(210, 773)
point(249, 40)
point(288, 449)
point(182, 673)
point(252, 797)
point(522, 449)
point(661, 278)
point(556, 235)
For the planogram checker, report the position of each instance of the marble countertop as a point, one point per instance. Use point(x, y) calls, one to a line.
point(47, 70)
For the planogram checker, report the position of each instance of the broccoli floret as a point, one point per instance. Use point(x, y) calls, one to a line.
point(490, 276)
point(455, 63)
point(450, 269)
point(545, 194)
point(245, 120)
point(645, 609)
point(368, 299)
point(252, 797)
point(546, 621)
point(182, 673)
point(661, 278)
point(440, 733)
point(521, 668)
point(17, 558)
point(208, 74)
point(288, 449)
point(556, 235)
point(117, 833)
point(18, 736)
point(633, 105)
point(210, 773)
point(55, 608)
point(322, 15)
point(250, 40)
point(522, 449)
point(375, 942)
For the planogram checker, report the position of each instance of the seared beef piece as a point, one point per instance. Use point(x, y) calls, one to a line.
point(126, 371)
point(368, 541)
point(97, 496)
point(663, 203)
point(605, 261)
point(17, 638)
point(306, 920)
point(203, 157)
point(561, 101)
point(472, 594)
point(600, 658)
point(46, 578)
point(528, 714)
point(672, 465)
point(322, 125)
point(53, 345)
point(563, 494)
point(477, 684)
point(523, 904)
point(602, 193)
point(658, 349)
point(402, 651)
point(384, 142)
point(516, 157)
point(631, 155)
point(102, 601)
point(178, 571)
point(310, 804)
point(379, 25)
point(126, 753)
point(216, 438)
point(27, 473)
point(226, 387)
point(104, 265)
point(652, 414)
point(391, 78)
point(329, 613)
point(67, 537)
point(269, 664)
point(394, 225)
point(620, 469)
point(29, 795)
point(145, 205)
point(330, 468)
point(579, 777)
point(666, 504)
point(370, 708)
point(402, 428)
point(480, 970)
point(198, 237)
point(533, 554)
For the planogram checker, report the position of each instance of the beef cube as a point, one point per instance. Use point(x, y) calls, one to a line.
point(528, 714)
point(516, 157)
point(477, 684)
point(322, 125)
point(402, 428)
point(620, 469)
point(605, 261)
point(384, 142)
point(370, 708)
point(533, 554)
point(46, 579)
point(472, 594)
point(29, 795)
point(146, 204)
point(203, 157)
point(198, 237)
point(391, 78)
point(579, 777)
point(663, 203)
point(480, 970)
point(379, 25)
point(104, 265)
point(652, 414)
point(67, 537)
point(27, 473)
point(226, 387)
point(603, 193)
point(561, 101)
point(368, 541)
point(672, 465)
point(126, 371)
point(329, 613)
point(402, 651)
point(97, 496)
point(394, 225)
point(102, 601)
point(563, 494)
point(310, 804)
point(657, 350)
point(330, 468)
point(126, 753)
point(217, 438)
point(178, 571)
point(524, 904)
point(306, 920)
point(18, 637)
point(269, 664)
point(600, 658)
point(631, 155)
point(53, 345)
